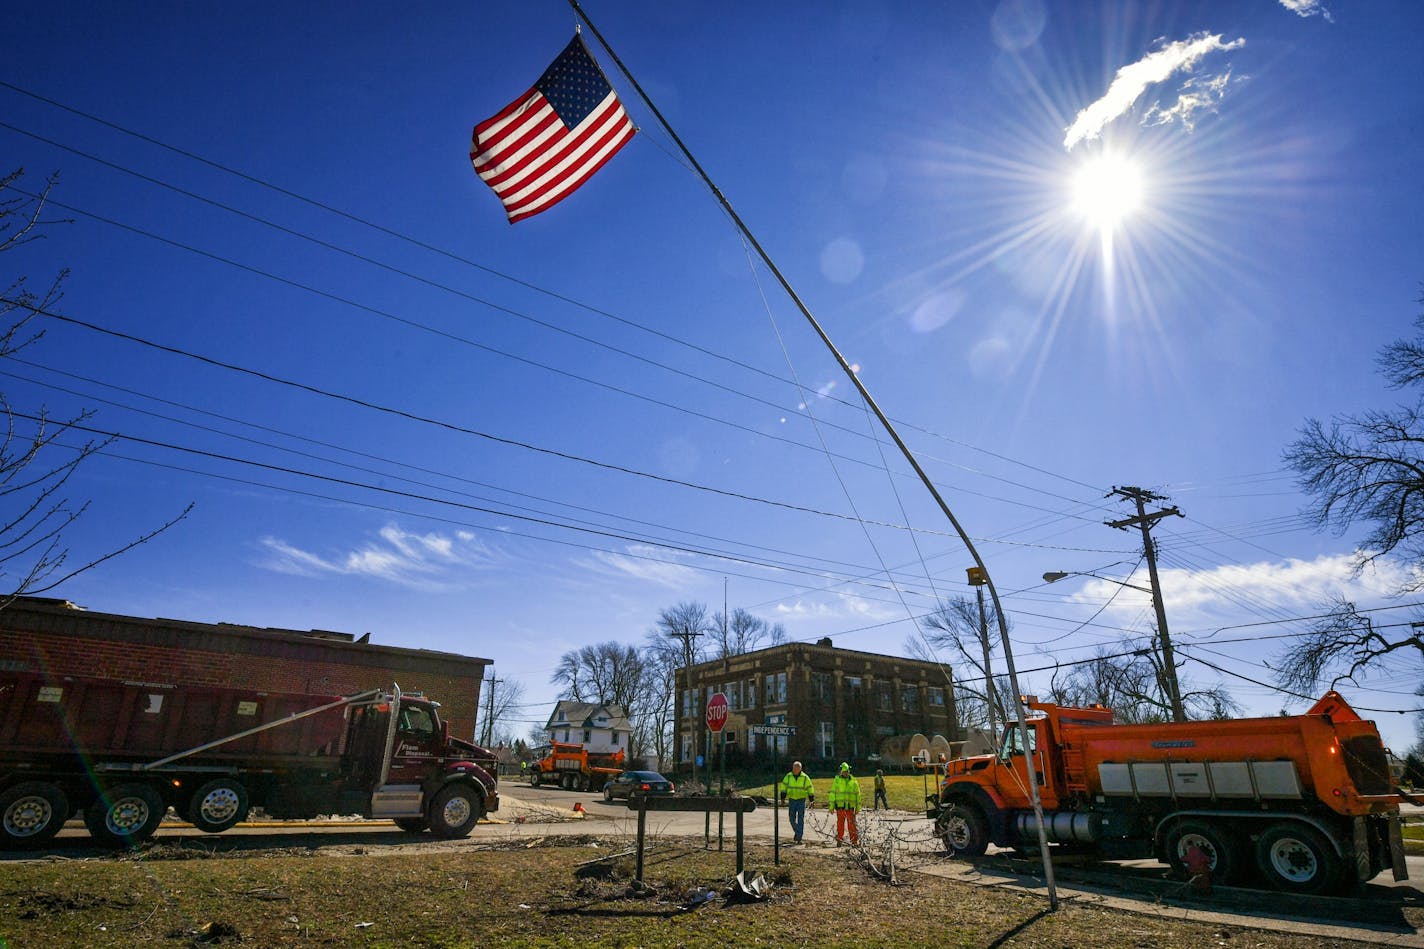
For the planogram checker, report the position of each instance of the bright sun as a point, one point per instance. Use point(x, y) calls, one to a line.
point(1106, 190)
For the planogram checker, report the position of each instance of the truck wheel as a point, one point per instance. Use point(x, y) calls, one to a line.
point(1221, 849)
point(217, 805)
point(124, 815)
point(413, 825)
point(534, 779)
point(31, 813)
point(455, 812)
point(964, 830)
point(1297, 858)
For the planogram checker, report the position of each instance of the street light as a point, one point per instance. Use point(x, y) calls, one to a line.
point(1169, 661)
point(1053, 576)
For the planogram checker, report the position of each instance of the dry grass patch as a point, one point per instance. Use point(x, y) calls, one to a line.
point(551, 895)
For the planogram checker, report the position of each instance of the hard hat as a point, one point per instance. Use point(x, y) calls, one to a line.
point(845, 766)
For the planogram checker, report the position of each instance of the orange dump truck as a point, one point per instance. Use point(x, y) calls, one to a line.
point(574, 767)
point(1306, 801)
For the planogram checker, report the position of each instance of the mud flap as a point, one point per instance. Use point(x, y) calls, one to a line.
point(1396, 849)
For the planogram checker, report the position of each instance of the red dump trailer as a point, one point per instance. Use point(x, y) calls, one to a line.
point(123, 752)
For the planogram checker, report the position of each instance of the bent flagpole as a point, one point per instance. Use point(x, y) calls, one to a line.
point(880, 415)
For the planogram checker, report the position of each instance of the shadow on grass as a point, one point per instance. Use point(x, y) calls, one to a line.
point(1003, 940)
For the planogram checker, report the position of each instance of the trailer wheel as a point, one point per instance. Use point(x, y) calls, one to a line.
point(1297, 858)
point(413, 825)
point(455, 812)
point(964, 830)
point(218, 805)
point(1220, 848)
point(32, 813)
point(124, 815)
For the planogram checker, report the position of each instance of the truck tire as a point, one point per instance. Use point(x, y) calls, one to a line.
point(413, 825)
point(217, 805)
point(1221, 849)
point(31, 813)
point(455, 811)
point(534, 778)
point(124, 815)
point(1297, 858)
point(964, 830)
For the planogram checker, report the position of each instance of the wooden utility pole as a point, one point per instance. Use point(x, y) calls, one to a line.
point(489, 715)
point(1145, 521)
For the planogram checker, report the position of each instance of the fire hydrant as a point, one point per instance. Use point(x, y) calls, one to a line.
point(1198, 865)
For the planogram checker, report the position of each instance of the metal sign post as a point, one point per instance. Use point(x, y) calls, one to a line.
point(774, 732)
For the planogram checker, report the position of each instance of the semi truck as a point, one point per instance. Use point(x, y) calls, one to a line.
point(575, 768)
point(124, 752)
point(1305, 801)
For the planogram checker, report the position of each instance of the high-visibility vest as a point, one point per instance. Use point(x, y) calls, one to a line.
point(797, 787)
point(845, 793)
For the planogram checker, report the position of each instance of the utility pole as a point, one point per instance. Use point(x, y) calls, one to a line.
point(489, 715)
point(1145, 522)
point(976, 580)
point(687, 635)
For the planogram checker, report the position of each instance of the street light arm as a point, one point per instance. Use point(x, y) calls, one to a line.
point(1053, 576)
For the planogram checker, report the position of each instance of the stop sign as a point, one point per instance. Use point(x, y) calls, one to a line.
point(717, 711)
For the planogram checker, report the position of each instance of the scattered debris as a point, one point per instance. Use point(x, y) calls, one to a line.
point(211, 933)
point(743, 891)
point(364, 925)
point(697, 896)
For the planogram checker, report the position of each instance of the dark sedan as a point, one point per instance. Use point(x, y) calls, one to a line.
point(633, 784)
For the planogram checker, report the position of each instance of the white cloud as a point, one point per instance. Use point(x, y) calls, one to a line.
point(1200, 598)
point(1132, 81)
point(1308, 8)
point(1197, 95)
point(644, 563)
point(422, 561)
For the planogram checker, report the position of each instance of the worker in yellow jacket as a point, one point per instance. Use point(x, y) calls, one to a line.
point(845, 801)
point(796, 790)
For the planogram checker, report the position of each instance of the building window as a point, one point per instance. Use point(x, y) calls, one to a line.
point(566, 734)
point(776, 689)
point(750, 693)
point(882, 697)
point(686, 747)
point(937, 697)
point(615, 738)
point(910, 698)
point(821, 687)
point(827, 739)
point(734, 695)
point(587, 736)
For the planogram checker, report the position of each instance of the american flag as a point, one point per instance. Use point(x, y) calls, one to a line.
point(538, 149)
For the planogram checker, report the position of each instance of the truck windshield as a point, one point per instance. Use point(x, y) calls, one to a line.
point(1014, 740)
point(416, 720)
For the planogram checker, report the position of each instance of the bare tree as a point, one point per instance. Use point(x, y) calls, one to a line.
point(501, 707)
point(1369, 468)
point(602, 673)
point(954, 627)
point(1343, 645)
point(33, 555)
point(1133, 683)
point(742, 633)
point(662, 656)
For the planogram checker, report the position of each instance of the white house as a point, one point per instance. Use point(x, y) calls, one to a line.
point(596, 727)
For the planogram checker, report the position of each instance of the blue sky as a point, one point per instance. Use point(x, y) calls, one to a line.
point(617, 372)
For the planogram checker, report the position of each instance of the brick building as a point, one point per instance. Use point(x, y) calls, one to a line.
point(58, 638)
point(842, 702)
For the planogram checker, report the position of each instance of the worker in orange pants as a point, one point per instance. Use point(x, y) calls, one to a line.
point(845, 801)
